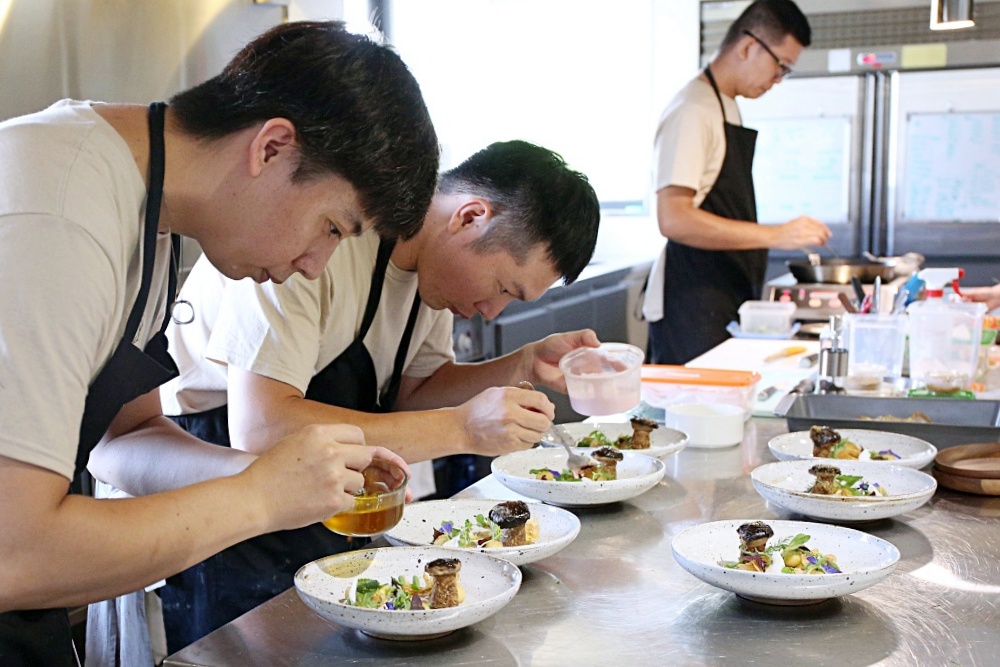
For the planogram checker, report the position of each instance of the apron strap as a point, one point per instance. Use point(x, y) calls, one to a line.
point(392, 390)
point(375, 292)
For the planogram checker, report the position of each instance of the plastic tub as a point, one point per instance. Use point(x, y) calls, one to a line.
point(766, 317)
point(663, 386)
point(875, 348)
point(603, 380)
point(707, 425)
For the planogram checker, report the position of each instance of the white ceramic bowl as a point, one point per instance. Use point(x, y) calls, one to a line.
point(556, 527)
point(913, 452)
point(708, 425)
point(863, 559)
point(605, 380)
point(785, 483)
point(637, 474)
point(489, 582)
point(662, 442)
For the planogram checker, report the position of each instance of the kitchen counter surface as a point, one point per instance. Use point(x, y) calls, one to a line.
point(616, 595)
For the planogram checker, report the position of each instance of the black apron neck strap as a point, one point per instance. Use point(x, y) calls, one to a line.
point(154, 198)
point(388, 398)
point(715, 87)
point(378, 279)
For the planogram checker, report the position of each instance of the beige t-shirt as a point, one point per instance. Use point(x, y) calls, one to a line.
point(688, 151)
point(290, 332)
point(72, 207)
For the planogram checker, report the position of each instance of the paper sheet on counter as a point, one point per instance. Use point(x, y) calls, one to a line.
point(748, 354)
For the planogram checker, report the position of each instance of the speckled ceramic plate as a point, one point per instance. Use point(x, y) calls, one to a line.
point(662, 442)
point(637, 473)
point(490, 583)
point(556, 527)
point(785, 484)
point(863, 559)
point(913, 452)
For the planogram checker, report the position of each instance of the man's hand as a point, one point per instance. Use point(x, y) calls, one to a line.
point(311, 474)
point(988, 295)
point(800, 233)
point(542, 358)
point(505, 419)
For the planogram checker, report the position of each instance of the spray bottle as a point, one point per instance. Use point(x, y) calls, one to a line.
point(944, 337)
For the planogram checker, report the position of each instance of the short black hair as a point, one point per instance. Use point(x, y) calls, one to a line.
point(770, 20)
point(357, 110)
point(536, 199)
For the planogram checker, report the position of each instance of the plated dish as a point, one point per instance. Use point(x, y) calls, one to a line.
point(636, 473)
point(556, 527)
point(790, 484)
point(861, 560)
point(912, 452)
point(329, 586)
point(663, 441)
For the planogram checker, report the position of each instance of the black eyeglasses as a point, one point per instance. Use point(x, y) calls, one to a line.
point(784, 69)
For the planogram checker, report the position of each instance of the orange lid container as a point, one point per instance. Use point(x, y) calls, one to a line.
point(712, 377)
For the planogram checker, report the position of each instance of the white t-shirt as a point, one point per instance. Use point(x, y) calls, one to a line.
point(291, 332)
point(688, 151)
point(72, 206)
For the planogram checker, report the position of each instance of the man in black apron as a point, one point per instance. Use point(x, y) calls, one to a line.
point(716, 254)
point(94, 162)
point(450, 273)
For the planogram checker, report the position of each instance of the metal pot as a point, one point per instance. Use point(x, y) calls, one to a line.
point(840, 271)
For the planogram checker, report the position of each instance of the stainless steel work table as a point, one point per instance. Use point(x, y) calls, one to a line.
point(615, 596)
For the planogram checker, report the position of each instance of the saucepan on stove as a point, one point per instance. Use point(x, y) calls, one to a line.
point(840, 271)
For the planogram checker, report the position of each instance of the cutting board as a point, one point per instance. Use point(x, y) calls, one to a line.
point(748, 354)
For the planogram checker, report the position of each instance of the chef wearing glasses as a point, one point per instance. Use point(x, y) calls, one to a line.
point(716, 254)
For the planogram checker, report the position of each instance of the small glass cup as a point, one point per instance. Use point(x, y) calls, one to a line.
point(378, 506)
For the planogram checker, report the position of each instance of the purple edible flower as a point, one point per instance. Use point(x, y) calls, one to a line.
point(447, 527)
point(889, 452)
point(555, 473)
point(830, 569)
point(811, 559)
point(390, 606)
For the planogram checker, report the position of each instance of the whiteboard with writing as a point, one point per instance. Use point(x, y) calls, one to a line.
point(952, 167)
point(802, 167)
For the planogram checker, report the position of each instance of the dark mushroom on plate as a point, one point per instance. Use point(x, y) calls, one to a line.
point(512, 517)
point(753, 544)
point(641, 428)
point(445, 591)
point(826, 479)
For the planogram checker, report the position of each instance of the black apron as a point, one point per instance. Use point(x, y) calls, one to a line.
point(703, 289)
point(43, 637)
point(218, 590)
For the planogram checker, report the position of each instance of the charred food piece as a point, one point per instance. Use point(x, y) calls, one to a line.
point(607, 462)
point(826, 479)
point(511, 516)
point(445, 591)
point(823, 439)
point(641, 428)
point(753, 542)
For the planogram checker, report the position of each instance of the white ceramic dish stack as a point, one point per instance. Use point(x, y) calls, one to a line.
point(637, 474)
point(864, 560)
point(557, 528)
point(785, 484)
point(913, 452)
point(489, 582)
point(663, 441)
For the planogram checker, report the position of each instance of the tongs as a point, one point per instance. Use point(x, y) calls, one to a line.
point(574, 461)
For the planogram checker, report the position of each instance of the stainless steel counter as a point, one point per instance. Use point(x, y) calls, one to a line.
point(616, 596)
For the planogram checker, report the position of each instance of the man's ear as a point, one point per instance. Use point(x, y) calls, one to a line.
point(473, 214)
point(274, 141)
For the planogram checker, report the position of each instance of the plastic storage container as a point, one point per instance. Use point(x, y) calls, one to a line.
point(766, 317)
point(602, 380)
point(663, 386)
point(875, 346)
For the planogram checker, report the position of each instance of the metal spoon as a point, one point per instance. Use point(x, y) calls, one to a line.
point(574, 461)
